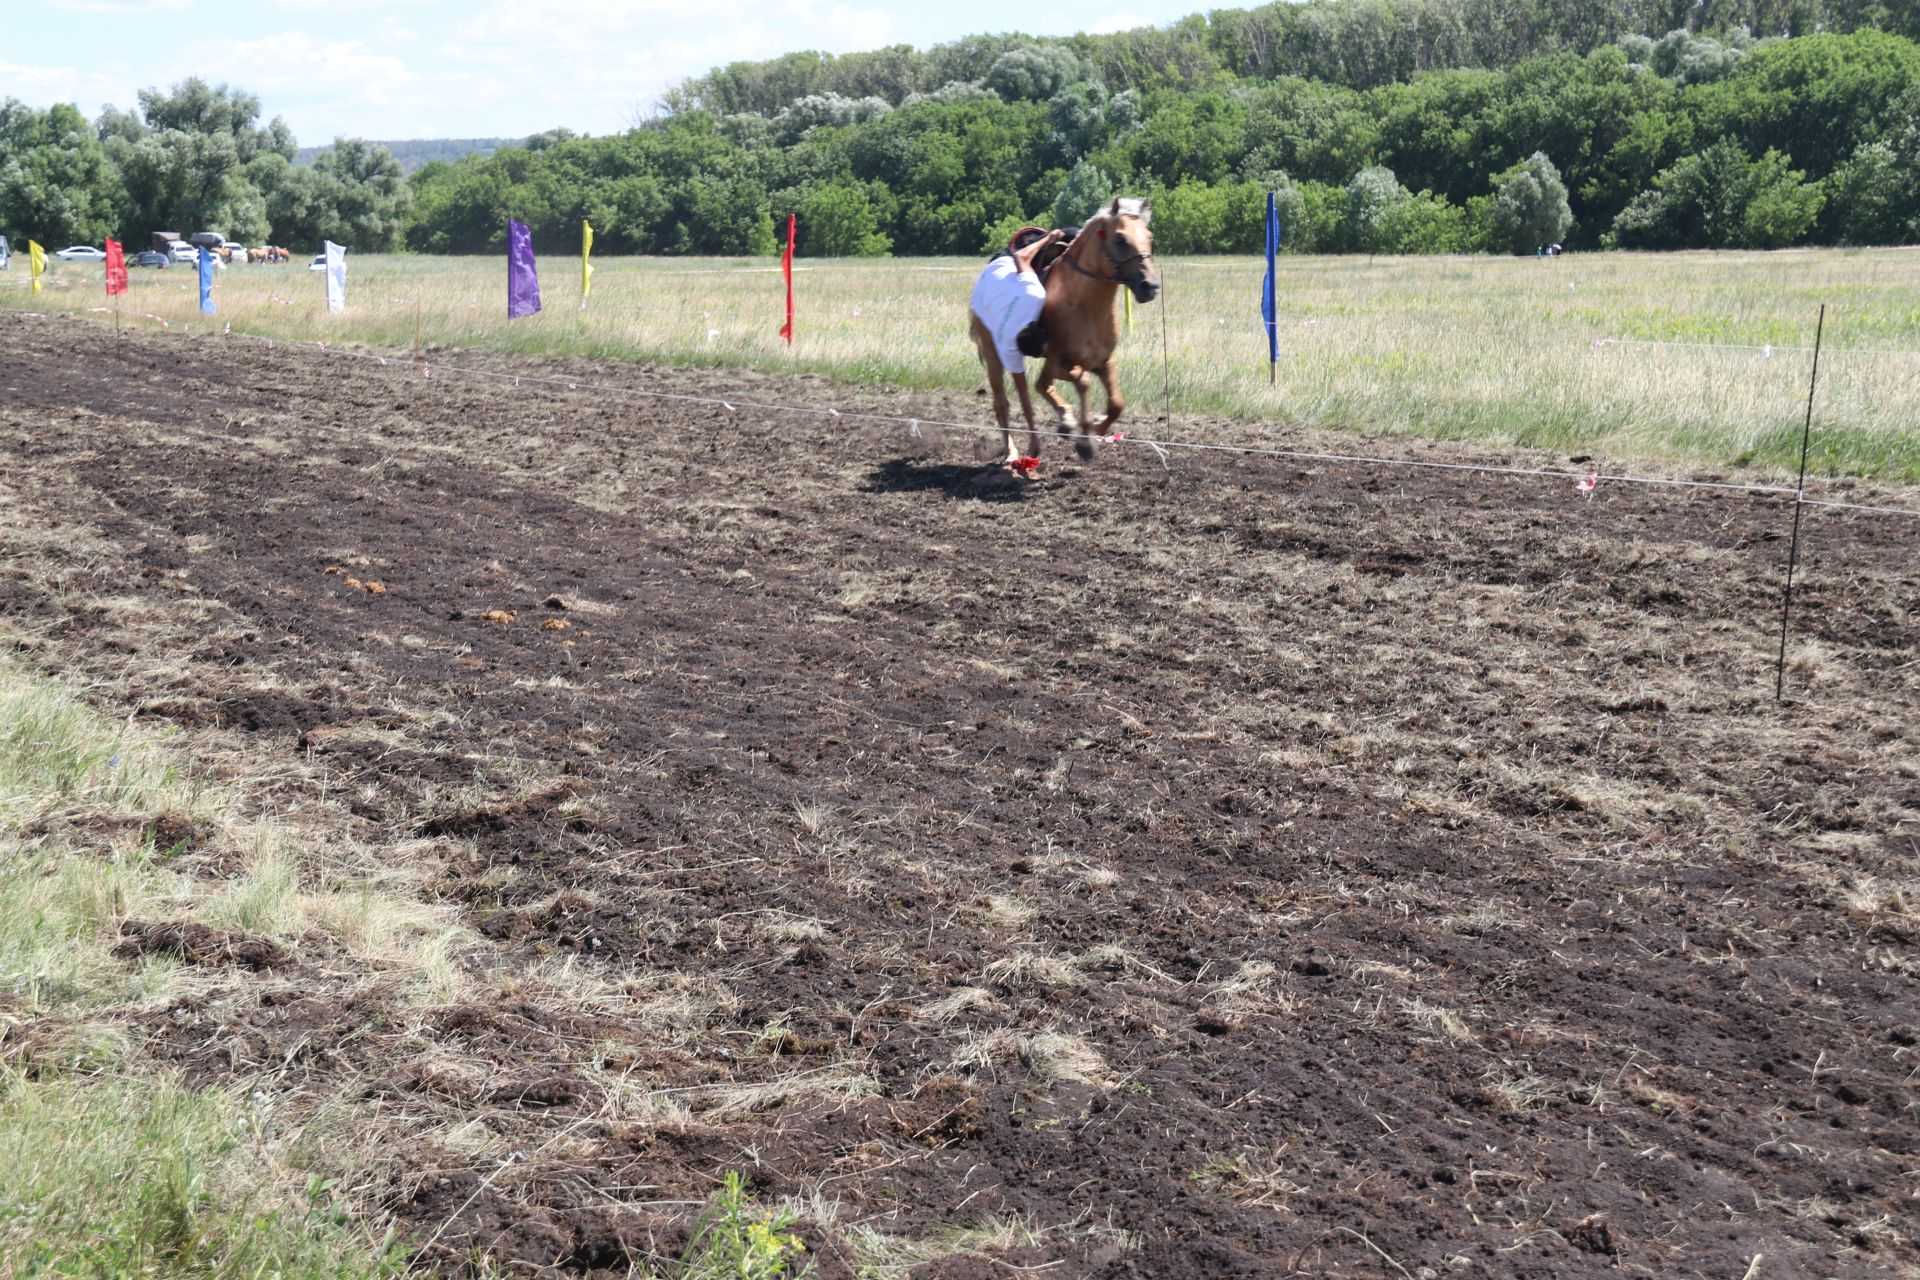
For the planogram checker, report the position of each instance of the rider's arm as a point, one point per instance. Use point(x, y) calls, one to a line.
point(1023, 258)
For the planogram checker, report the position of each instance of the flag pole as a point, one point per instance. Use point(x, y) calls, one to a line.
point(786, 269)
point(586, 266)
point(1269, 287)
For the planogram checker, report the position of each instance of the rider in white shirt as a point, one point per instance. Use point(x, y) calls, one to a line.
point(1007, 299)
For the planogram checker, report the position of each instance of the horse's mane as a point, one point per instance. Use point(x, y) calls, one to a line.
point(1130, 207)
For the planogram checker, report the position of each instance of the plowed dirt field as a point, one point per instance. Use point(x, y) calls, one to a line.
point(1253, 869)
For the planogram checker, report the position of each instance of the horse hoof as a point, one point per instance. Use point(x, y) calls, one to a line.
point(1086, 448)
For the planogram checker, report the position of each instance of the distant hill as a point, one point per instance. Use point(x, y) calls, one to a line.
point(412, 153)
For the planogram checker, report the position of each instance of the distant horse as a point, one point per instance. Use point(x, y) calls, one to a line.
point(1114, 248)
point(256, 255)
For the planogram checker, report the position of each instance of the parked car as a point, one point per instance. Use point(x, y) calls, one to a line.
point(319, 263)
point(235, 249)
point(6, 255)
point(81, 253)
point(183, 252)
point(149, 258)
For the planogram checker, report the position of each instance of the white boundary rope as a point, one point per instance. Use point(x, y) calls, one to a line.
point(1159, 446)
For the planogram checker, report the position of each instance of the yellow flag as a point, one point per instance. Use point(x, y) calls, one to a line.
point(586, 268)
point(1128, 295)
point(36, 263)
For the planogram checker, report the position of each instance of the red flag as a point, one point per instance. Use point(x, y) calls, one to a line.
point(786, 269)
point(116, 269)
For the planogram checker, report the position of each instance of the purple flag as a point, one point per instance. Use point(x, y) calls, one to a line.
point(523, 282)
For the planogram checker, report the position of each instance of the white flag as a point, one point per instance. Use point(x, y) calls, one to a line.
point(336, 277)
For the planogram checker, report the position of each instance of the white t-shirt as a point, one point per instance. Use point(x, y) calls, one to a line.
point(1008, 300)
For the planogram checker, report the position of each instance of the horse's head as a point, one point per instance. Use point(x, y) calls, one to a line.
point(1127, 242)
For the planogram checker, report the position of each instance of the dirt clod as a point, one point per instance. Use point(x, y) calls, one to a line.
point(197, 943)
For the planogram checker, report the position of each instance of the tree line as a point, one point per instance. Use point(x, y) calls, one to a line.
point(1362, 44)
point(1406, 127)
point(192, 158)
point(1691, 140)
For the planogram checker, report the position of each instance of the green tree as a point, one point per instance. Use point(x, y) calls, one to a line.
point(1297, 232)
point(184, 160)
point(56, 185)
point(1529, 206)
point(1720, 199)
point(1814, 99)
point(353, 195)
point(1081, 196)
point(842, 219)
point(1421, 223)
point(1036, 72)
point(1872, 199)
point(1371, 195)
point(1191, 218)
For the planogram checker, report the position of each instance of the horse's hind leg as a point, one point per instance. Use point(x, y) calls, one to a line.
point(997, 382)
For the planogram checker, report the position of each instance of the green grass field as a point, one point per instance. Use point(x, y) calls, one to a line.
point(1695, 358)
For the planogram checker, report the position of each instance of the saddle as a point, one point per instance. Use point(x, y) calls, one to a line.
point(1043, 264)
point(1032, 340)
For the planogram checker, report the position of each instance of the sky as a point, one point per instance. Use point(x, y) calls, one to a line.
point(495, 68)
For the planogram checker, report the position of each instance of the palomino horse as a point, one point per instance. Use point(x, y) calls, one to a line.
point(1082, 281)
point(1115, 248)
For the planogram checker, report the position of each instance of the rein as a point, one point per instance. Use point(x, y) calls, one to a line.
point(1116, 263)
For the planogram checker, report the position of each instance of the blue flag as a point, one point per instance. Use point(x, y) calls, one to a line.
point(206, 281)
point(1267, 312)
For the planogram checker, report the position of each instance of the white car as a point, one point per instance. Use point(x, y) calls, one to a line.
point(237, 250)
point(82, 253)
point(319, 263)
point(183, 252)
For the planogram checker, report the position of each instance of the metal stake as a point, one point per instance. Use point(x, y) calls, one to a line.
point(1799, 504)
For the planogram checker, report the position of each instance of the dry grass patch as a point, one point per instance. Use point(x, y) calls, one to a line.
point(1048, 1056)
point(1032, 969)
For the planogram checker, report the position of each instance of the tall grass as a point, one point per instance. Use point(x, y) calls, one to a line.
point(138, 1176)
point(109, 1167)
point(1492, 350)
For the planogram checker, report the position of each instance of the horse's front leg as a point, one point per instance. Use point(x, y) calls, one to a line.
point(1048, 373)
point(1109, 379)
point(1083, 443)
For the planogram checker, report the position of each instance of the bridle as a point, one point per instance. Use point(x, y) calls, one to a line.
point(1113, 260)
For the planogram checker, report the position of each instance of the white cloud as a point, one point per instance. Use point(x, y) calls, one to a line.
point(391, 31)
point(610, 58)
point(43, 86)
point(325, 87)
